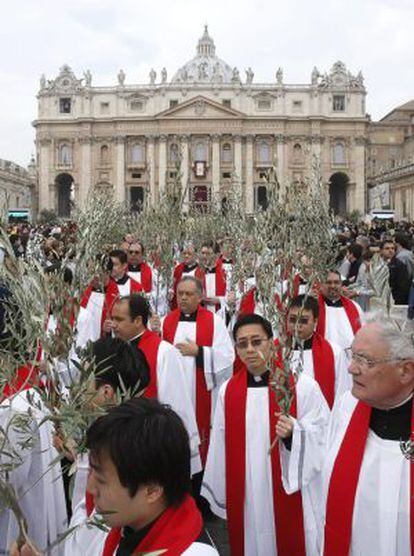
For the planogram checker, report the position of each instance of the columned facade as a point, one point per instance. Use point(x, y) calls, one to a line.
point(218, 128)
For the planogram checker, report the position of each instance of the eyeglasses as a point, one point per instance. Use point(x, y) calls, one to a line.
point(134, 252)
point(300, 320)
point(242, 345)
point(367, 362)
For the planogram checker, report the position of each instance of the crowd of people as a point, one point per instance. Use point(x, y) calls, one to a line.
point(193, 426)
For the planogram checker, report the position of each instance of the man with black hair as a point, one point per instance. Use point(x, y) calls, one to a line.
point(138, 269)
point(214, 279)
point(322, 360)
point(262, 464)
point(404, 253)
point(168, 382)
point(339, 317)
point(140, 483)
point(399, 280)
point(188, 267)
point(354, 256)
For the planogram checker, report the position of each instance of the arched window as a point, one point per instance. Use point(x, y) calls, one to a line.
point(264, 151)
point(104, 154)
point(226, 155)
point(65, 154)
point(137, 153)
point(200, 152)
point(297, 152)
point(174, 152)
point(339, 153)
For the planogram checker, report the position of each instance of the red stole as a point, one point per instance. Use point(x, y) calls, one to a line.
point(350, 310)
point(344, 483)
point(324, 367)
point(287, 508)
point(248, 302)
point(26, 377)
point(146, 277)
point(204, 337)
point(174, 531)
point(149, 344)
point(111, 295)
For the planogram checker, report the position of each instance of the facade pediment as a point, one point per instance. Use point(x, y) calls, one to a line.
point(200, 107)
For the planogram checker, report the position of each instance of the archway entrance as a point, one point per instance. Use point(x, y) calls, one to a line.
point(137, 198)
point(64, 185)
point(338, 184)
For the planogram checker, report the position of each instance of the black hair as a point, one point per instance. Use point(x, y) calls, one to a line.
point(194, 280)
point(334, 271)
point(120, 364)
point(403, 240)
point(306, 302)
point(210, 244)
point(384, 242)
point(138, 306)
point(252, 318)
point(137, 242)
point(148, 443)
point(356, 250)
point(120, 255)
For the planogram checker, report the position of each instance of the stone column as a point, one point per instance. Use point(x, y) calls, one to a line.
point(184, 171)
point(162, 164)
point(120, 168)
point(151, 167)
point(45, 150)
point(237, 146)
point(215, 172)
point(280, 153)
point(249, 174)
point(85, 182)
point(359, 174)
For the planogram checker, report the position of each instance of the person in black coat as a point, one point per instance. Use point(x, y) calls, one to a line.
point(399, 279)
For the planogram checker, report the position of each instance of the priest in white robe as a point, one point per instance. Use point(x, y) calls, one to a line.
point(339, 317)
point(324, 361)
point(138, 269)
point(368, 477)
point(168, 382)
point(35, 474)
point(261, 466)
point(208, 354)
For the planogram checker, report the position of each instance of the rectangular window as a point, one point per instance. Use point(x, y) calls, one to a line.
point(136, 175)
point(297, 106)
point(172, 175)
point(226, 175)
point(173, 103)
point(65, 105)
point(104, 107)
point(226, 102)
point(264, 104)
point(136, 105)
point(338, 103)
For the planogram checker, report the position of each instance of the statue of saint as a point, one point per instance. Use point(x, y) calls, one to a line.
point(279, 76)
point(164, 76)
point(121, 77)
point(249, 76)
point(88, 78)
point(152, 76)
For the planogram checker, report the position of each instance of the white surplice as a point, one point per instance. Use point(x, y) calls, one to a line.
point(173, 390)
point(303, 359)
point(218, 359)
point(338, 329)
point(89, 320)
point(381, 518)
point(87, 540)
point(300, 466)
point(37, 483)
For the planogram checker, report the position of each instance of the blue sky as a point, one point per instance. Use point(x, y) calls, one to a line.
point(39, 36)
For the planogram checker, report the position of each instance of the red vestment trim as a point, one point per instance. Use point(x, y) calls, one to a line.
point(287, 508)
point(350, 310)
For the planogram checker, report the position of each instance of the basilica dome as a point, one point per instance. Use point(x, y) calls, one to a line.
point(206, 67)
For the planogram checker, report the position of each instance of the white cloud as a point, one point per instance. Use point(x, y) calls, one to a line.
point(105, 35)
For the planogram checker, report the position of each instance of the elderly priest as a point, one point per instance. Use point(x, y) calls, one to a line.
point(369, 472)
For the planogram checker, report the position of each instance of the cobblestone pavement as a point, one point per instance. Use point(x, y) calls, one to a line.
point(218, 530)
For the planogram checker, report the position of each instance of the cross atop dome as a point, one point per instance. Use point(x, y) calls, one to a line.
point(206, 46)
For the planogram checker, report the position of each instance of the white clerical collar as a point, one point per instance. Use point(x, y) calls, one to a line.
point(137, 336)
